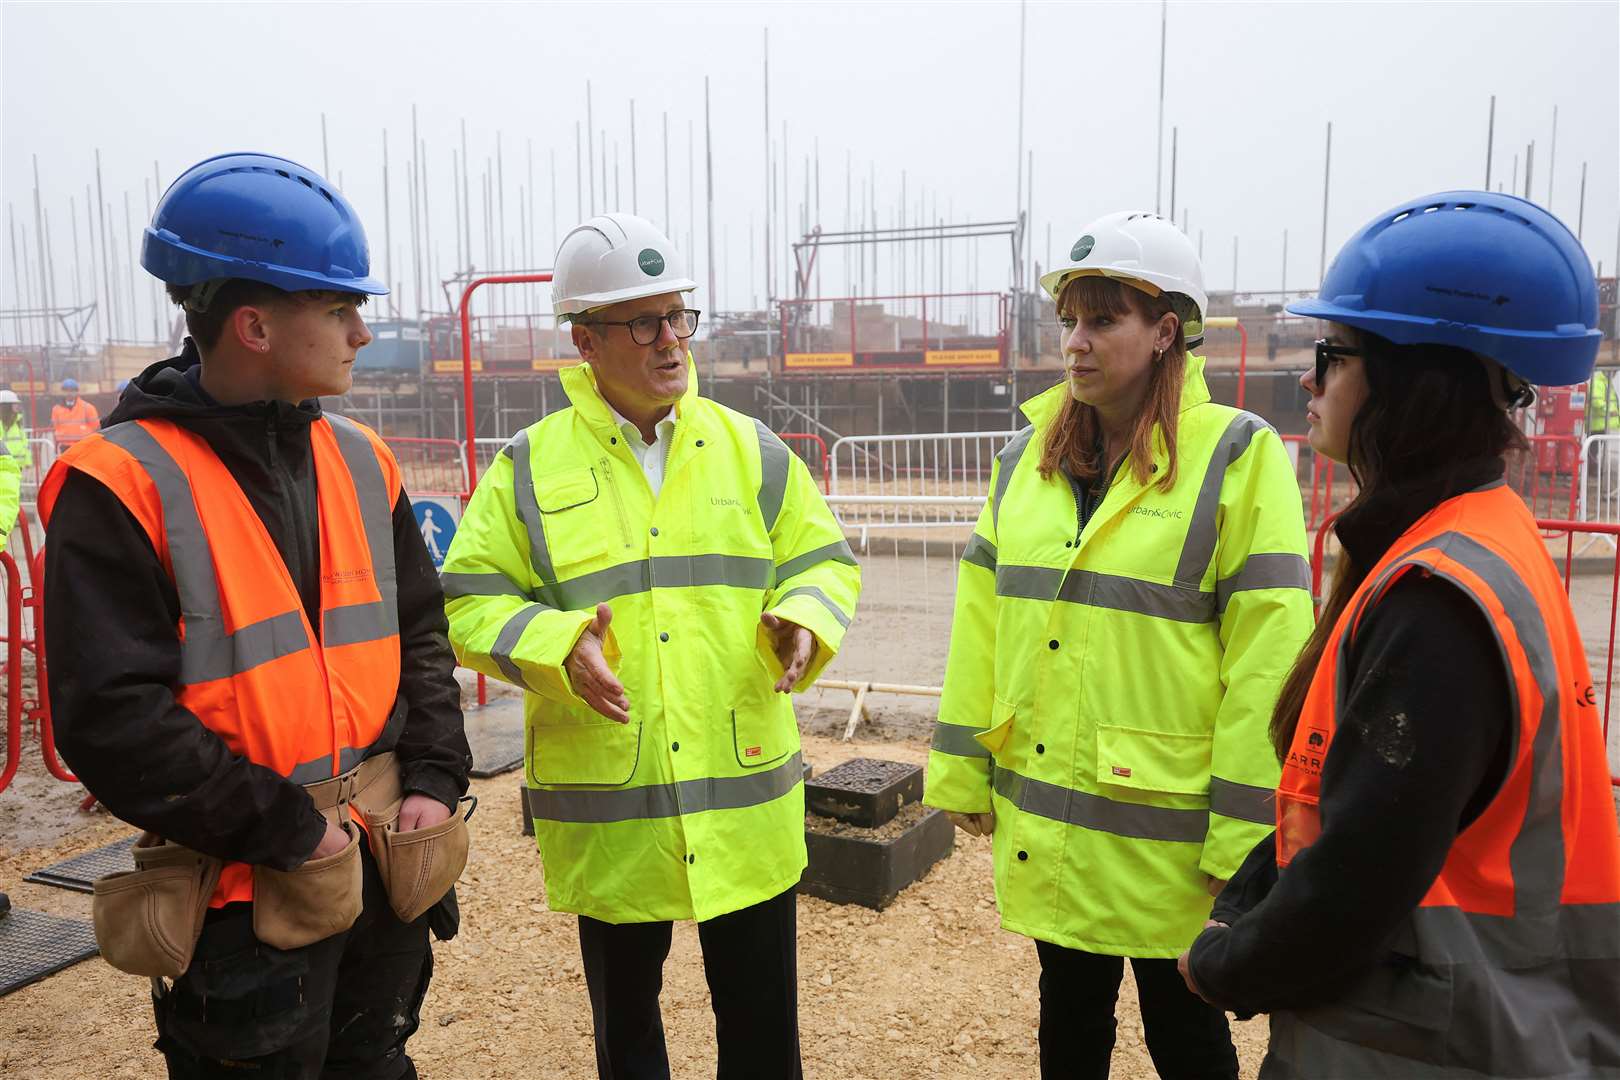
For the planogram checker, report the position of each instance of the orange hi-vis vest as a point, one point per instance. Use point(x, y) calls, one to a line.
point(72, 423)
point(1510, 966)
point(252, 669)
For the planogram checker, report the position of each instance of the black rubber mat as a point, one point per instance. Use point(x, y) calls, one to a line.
point(495, 733)
point(80, 872)
point(34, 945)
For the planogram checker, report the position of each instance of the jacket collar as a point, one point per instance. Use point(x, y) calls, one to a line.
point(579, 383)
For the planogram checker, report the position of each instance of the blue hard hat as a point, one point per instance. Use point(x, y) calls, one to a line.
point(70, 385)
point(259, 217)
point(1494, 274)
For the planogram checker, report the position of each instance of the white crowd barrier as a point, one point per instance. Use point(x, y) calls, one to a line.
point(904, 482)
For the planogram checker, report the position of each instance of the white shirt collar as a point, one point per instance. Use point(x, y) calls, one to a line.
point(661, 430)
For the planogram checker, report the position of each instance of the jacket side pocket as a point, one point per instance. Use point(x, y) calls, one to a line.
point(148, 920)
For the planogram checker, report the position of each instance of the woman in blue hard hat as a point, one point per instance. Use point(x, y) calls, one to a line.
point(1442, 895)
point(248, 656)
point(1127, 607)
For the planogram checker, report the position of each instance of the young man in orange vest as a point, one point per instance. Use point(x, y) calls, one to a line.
point(248, 655)
point(74, 418)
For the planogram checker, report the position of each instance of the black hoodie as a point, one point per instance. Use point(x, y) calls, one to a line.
point(1420, 751)
point(113, 654)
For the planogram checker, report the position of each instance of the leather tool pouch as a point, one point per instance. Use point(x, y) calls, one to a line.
point(418, 867)
point(148, 920)
point(294, 908)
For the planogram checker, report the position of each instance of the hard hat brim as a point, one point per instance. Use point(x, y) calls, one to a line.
point(175, 262)
point(579, 305)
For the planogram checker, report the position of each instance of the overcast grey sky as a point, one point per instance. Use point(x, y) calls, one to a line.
point(930, 89)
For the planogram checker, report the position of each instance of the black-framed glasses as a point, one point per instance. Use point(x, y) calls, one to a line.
point(644, 329)
point(1326, 353)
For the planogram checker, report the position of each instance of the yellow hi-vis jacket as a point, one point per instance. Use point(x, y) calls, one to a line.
point(696, 807)
point(10, 492)
point(1108, 691)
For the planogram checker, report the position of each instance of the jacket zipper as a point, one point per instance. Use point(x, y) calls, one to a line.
point(606, 465)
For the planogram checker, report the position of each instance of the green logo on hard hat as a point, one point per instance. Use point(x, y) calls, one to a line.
point(651, 263)
point(1082, 248)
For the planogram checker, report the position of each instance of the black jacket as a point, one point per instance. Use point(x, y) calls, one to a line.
point(113, 655)
point(1421, 750)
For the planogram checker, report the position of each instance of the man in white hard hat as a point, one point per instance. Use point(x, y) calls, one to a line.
point(658, 573)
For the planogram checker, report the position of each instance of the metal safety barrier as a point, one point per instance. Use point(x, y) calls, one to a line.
point(431, 466)
point(924, 481)
point(814, 454)
point(14, 670)
point(39, 710)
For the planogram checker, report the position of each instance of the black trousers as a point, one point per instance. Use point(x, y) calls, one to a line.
point(342, 1007)
point(1187, 1038)
point(750, 958)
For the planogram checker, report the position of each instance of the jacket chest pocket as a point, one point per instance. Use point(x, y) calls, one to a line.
point(574, 516)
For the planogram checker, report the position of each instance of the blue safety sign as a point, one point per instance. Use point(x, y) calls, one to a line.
point(437, 519)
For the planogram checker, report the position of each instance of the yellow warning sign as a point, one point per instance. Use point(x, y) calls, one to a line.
point(550, 363)
point(820, 359)
point(961, 357)
point(443, 367)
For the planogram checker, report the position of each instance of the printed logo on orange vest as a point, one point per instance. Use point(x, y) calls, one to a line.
point(345, 577)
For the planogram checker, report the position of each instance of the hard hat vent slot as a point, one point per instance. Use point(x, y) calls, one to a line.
point(1402, 216)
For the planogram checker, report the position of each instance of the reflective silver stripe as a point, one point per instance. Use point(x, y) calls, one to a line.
point(359, 622)
point(207, 652)
point(507, 640)
point(377, 515)
point(598, 806)
point(1007, 457)
point(528, 507)
point(1100, 814)
point(1117, 593)
point(1266, 571)
point(1537, 854)
point(980, 552)
point(1028, 582)
point(958, 740)
point(661, 572)
point(317, 769)
point(1242, 801)
point(1110, 591)
point(458, 584)
point(826, 602)
point(797, 565)
point(774, 460)
point(1199, 547)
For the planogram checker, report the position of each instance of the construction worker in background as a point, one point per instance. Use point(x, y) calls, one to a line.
point(74, 417)
point(1441, 897)
point(658, 572)
point(10, 491)
point(12, 431)
point(1130, 600)
point(248, 658)
point(1603, 418)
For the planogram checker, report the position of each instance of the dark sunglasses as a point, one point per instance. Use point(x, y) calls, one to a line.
point(645, 330)
point(1326, 353)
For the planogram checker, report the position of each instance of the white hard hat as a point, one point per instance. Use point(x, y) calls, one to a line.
point(9, 397)
point(611, 258)
point(1139, 246)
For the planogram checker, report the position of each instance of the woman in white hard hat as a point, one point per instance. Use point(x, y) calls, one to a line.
point(1442, 894)
point(1132, 597)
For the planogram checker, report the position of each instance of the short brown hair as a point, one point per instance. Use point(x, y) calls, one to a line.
point(1072, 441)
point(205, 327)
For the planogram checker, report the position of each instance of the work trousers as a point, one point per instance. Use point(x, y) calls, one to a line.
point(1187, 1038)
point(750, 958)
point(342, 1007)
